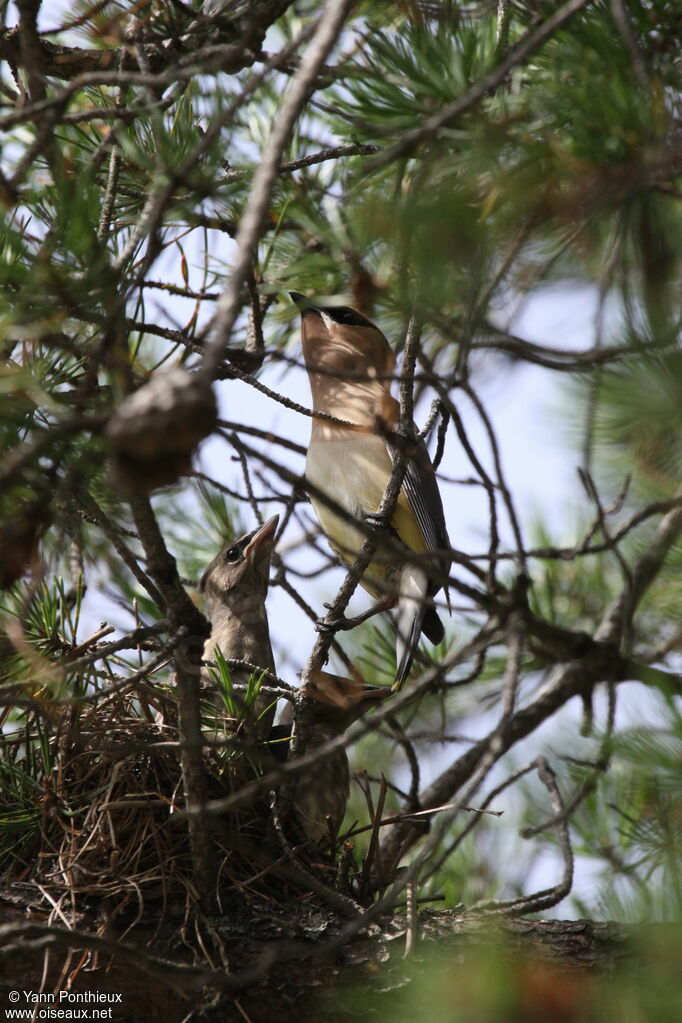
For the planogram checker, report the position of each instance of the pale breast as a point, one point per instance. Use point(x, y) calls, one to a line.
point(353, 472)
point(353, 469)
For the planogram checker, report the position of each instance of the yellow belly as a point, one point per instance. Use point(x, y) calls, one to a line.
point(354, 470)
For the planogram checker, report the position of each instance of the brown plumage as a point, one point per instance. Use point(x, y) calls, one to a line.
point(235, 586)
point(321, 793)
point(348, 361)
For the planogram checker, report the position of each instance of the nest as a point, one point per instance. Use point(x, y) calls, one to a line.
point(107, 823)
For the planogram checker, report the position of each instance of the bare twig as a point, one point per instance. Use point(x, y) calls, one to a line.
point(227, 308)
point(548, 897)
point(188, 628)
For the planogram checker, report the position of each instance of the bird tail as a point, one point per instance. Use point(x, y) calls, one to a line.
point(432, 627)
point(410, 618)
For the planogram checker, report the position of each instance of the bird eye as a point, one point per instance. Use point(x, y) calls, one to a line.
point(232, 554)
point(349, 317)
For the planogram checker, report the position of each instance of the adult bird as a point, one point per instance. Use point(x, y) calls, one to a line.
point(235, 586)
point(321, 792)
point(350, 365)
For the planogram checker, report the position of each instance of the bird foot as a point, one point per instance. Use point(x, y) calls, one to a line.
point(343, 624)
point(379, 521)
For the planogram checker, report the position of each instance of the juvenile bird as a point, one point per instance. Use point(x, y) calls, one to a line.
point(235, 586)
point(321, 792)
point(350, 363)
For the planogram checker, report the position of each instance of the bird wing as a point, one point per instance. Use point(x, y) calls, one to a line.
point(421, 488)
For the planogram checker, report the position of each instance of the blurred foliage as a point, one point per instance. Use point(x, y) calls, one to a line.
point(631, 826)
point(494, 981)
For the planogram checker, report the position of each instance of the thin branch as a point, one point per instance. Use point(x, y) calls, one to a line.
point(99, 517)
point(587, 662)
point(622, 20)
point(548, 897)
point(189, 628)
point(327, 30)
point(619, 616)
point(601, 765)
point(333, 153)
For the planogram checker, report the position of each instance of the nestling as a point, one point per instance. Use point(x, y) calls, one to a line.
point(321, 792)
point(235, 586)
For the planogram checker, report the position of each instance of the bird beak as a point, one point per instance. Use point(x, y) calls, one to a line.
point(260, 544)
point(369, 696)
point(372, 693)
point(346, 694)
point(304, 304)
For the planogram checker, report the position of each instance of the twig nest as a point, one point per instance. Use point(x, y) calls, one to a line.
point(154, 432)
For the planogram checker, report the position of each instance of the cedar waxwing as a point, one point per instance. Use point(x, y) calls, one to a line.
point(235, 586)
point(353, 465)
point(321, 793)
